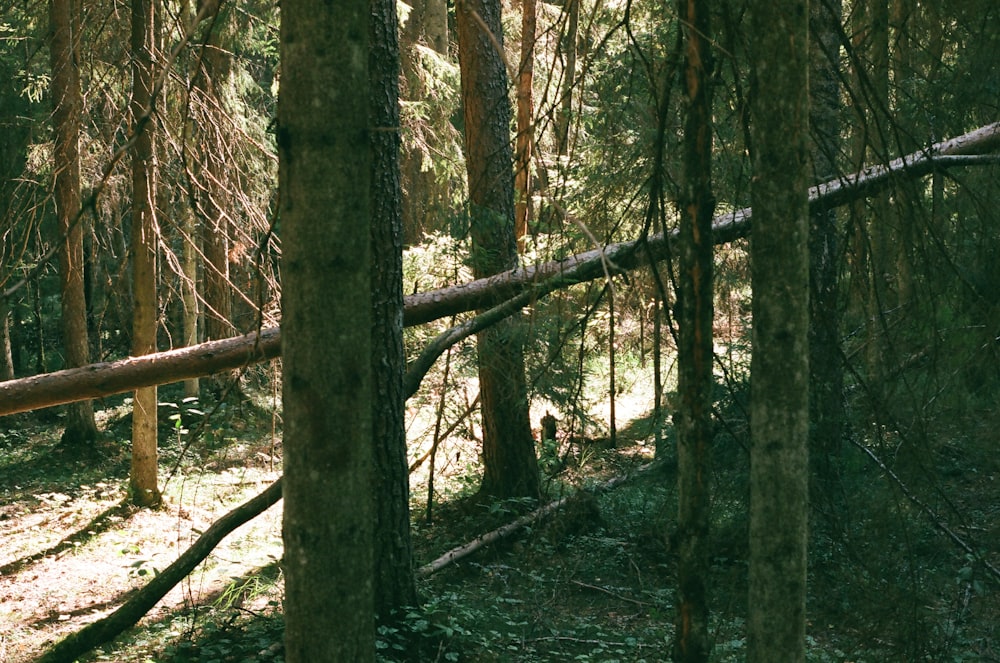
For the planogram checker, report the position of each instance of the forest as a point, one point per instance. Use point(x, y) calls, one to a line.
point(499, 330)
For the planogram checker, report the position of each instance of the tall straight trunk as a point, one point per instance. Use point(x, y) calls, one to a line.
point(324, 161)
point(189, 292)
point(779, 369)
point(567, 50)
point(6, 353)
point(525, 131)
point(696, 314)
point(143, 481)
point(510, 468)
point(217, 290)
point(826, 374)
point(394, 582)
point(80, 425)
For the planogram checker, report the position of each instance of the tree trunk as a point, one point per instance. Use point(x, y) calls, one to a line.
point(6, 355)
point(510, 468)
point(189, 293)
point(394, 583)
point(826, 374)
point(143, 483)
point(210, 80)
point(779, 370)
point(567, 52)
point(525, 131)
point(324, 160)
point(80, 425)
point(693, 417)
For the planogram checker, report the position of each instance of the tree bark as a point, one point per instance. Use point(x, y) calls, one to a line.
point(779, 369)
point(394, 582)
point(210, 80)
point(6, 354)
point(525, 131)
point(510, 468)
point(693, 418)
point(324, 159)
point(189, 294)
point(65, 28)
point(567, 52)
point(142, 475)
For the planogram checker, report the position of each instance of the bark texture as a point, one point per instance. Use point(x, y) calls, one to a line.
point(210, 81)
point(67, 100)
point(142, 474)
point(779, 370)
point(510, 468)
point(394, 583)
point(695, 309)
point(325, 168)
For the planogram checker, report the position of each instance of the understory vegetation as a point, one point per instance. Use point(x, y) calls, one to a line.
point(888, 579)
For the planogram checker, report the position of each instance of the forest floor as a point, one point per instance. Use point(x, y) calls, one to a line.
point(592, 583)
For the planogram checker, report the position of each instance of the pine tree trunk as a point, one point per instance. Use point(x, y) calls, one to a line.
point(394, 583)
point(143, 481)
point(693, 418)
point(525, 131)
point(211, 80)
point(80, 425)
point(510, 468)
point(189, 294)
point(567, 51)
point(779, 371)
point(325, 161)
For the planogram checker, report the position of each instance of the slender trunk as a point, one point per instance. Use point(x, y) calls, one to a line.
point(215, 224)
point(6, 353)
point(693, 418)
point(510, 468)
point(525, 131)
point(189, 293)
point(80, 425)
point(143, 481)
point(567, 51)
point(394, 583)
point(612, 389)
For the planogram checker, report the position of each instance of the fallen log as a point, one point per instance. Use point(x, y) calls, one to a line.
point(115, 377)
point(128, 615)
point(105, 379)
point(501, 532)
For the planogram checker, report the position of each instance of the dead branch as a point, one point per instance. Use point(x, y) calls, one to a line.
point(110, 627)
point(508, 529)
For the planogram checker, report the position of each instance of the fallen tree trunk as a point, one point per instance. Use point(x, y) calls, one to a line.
point(501, 532)
point(130, 612)
point(105, 379)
